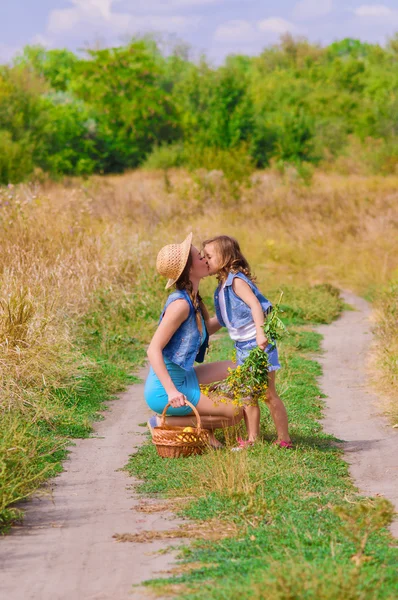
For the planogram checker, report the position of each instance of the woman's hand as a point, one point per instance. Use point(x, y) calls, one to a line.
point(261, 339)
point(176, 399)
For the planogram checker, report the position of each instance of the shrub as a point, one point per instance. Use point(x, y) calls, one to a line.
point(165, 156)
point(15, 159)
point(235, 164)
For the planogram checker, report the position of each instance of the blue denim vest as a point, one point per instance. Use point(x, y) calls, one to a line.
point(239, 313)
point(183, 347)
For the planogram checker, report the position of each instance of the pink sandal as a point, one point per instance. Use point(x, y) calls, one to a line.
point(242, 445)
point(283, 444)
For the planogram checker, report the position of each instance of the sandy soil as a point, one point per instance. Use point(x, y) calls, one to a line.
point(353, 411)
point(64, 550)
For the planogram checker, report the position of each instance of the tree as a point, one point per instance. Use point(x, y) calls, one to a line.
point(54, 66)
point(122, 85)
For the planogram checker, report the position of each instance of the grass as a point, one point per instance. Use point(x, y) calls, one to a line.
point(35, 438)
point(79, 297)
point(385, 355)
point(301, 530)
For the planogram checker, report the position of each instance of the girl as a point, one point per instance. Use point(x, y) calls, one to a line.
point(240, 307)
point(180, 339)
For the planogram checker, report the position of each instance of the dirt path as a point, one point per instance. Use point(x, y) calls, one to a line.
point(353, 411)
point(65, 550)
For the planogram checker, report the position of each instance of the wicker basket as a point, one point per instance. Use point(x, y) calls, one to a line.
point(173, 442)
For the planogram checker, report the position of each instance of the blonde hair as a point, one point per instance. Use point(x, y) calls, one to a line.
point(231, 257)
point(184, 283)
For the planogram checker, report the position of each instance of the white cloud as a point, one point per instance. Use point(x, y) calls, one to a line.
point(277, 25)
point(104, 7)
point(84, 11)
point(159, 23)
point(165, 5)
point(373, 10)
point(93, 17)
point(183, 3)
point(242, 35)
point(312, 9)
point(235, 31)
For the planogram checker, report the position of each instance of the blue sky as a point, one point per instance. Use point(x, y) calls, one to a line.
point(216, 27)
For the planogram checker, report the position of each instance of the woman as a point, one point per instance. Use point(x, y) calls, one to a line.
point(180, 339)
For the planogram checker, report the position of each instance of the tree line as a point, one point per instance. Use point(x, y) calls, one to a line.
point(117, 108)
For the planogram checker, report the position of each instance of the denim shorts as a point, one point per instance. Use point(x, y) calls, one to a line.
point(243, 350)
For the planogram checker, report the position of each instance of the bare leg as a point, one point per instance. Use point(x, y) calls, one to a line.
point(208, 422)
point(252, 420)
point(218, 371)
point(277, 409)
point(212, 372)
point(213, 416)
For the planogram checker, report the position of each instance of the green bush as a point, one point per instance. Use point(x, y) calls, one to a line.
point(236, 164)
point(165, 156)
point(68, 143)
point(15, 159)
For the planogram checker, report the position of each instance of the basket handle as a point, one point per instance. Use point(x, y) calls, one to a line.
point(197, 415)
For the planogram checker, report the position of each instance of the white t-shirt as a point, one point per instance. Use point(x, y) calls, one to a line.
point(240, 334)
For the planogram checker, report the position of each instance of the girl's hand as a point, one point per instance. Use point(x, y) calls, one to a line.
point(176, 399)
point(262, 341)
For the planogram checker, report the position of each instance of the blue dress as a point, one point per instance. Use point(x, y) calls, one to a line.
point(185, 381)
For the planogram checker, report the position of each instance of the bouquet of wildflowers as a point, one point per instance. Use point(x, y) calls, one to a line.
point(251, 378)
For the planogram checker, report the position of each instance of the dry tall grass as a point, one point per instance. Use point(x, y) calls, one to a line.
point(385, 355)
point(60, 243)
point(341, 229)
point(63, 243)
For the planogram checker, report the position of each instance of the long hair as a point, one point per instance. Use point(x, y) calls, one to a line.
point(184, 283)
point(231, 257)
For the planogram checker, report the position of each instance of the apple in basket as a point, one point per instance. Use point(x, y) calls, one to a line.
point(186, 430)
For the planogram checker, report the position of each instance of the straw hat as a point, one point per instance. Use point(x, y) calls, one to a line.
point(172, 259)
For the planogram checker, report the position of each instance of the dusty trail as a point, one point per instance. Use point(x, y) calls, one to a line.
point(65, 550)
point(353, 411)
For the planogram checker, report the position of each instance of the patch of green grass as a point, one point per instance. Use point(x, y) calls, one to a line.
point(315, 304)
point(347, 306)
point(221, 347)
point(303, 530)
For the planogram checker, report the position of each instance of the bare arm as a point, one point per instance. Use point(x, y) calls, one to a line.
point(212, 325)
point(174, 316)
point(243, 290)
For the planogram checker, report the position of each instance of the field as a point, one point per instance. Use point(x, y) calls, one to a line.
point(80, 299)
